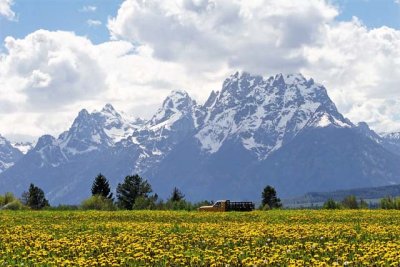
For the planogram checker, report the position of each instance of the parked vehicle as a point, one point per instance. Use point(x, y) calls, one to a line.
point(226, 205)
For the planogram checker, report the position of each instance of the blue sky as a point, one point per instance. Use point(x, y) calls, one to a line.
point(66, 15)
point(60, 57)
point(374, 13)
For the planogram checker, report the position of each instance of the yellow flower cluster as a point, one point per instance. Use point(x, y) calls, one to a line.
point(166, 238)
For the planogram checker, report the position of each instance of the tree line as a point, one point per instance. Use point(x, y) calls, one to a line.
point(135, 193)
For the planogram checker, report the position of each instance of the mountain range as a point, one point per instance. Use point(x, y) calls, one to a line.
point(284, 131)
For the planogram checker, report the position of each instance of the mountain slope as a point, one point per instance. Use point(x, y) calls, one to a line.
point(293, 138)
point(9, 155)
point(391, 141)
point(65, 166)
point(283, 130)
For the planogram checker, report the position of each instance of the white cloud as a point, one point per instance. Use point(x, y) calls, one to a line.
point(5, 9)
point(360, 66)
point(93, 23)
point(51, 69)
point(47, 77)
point(88, 9)
point(238, 34)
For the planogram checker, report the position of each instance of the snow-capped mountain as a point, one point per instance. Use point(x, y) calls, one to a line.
point(9, 155)
point(24, 147)
point(172, 123)
point(264, 114)
point(283, 130)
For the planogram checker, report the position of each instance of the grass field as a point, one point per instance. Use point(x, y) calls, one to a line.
point(157, 238)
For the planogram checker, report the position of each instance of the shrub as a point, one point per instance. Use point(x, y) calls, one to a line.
point(144, 203)
point(178, 205)
point(350, 202)
point(390, 203)
point(7, 198)
point(97, 202)
point(14, 205)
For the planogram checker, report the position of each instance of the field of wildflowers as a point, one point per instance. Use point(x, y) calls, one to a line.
point(167, 238)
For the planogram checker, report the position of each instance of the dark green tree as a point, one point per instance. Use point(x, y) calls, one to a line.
point(133, 187)
point(35, 198)
point(176, 195)
point(101, 187)
point(269, 199)
point(331, 204)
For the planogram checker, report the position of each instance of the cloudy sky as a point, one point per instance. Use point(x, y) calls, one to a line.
point(57, 57)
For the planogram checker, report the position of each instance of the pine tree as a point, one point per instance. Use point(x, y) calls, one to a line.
point(269, 198)
point(35, 198)
point(132, 188)
point(176, 195)
point(101, 187)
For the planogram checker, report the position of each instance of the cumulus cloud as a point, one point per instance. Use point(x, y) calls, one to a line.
point(47, 77)
point(360, 66)
point(194, 45)
point(50, 69)
point(93, 23)
point(239, 34)
point(5, 9)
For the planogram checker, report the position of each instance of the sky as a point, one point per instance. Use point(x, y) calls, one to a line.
point(58, 57)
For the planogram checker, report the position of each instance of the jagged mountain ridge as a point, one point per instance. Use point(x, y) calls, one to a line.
point(9, 155)
point(244, 137)
point(264, 114)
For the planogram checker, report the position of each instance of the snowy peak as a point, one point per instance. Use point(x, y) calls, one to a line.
point(239, 84)
point(109, 109)
point(9, 155)
point(176, 105)
point(96, 130)
point(24, 147)
point(179, 100)
point(86, 134)
point(391, 136)
point(263, 114)
point(44, 141)
point(49, 151)
point(323, 119)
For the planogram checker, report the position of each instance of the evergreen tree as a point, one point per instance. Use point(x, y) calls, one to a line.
point(132, 188)
point(101, 187)
point(35, 198)
point(176, 195)
point(331, 204)
point(269, 198)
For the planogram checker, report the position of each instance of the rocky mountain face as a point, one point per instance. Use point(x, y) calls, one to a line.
point(391, 141)
point(9, 155)
point(283, 130)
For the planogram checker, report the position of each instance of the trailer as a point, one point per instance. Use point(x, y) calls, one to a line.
point(227, 205)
